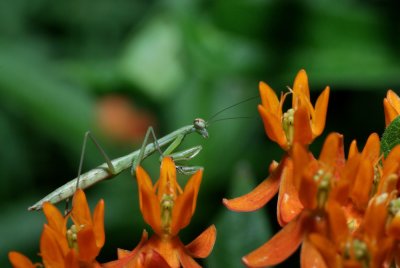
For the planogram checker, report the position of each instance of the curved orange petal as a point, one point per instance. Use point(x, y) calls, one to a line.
point(278, 248)
point(52, 254)
point(289, 205)
point(300, 86)
point(54, 218)
point(394, 228)
point(88, 249)
point(332, 153)
point(71, 260)
point(185, 204)
point(375, 217)
point(326, 249)
point(362, 186)
point(202, 246)
point(353, 149)
point(167, 182)
point(321, 107)
point(269, 99)
point(80, 209)
point(390, 112)
point(148, 201)
point(310, 257)
point(308, 189)
point(98, 223)
point(187, 261)
point(259, 196)
point(393, 99)
point(372, 148)
point(337, 223)
point(302, 126)
point(301, 159)
point(19, 261)
point(273, 127)
point(153, 259)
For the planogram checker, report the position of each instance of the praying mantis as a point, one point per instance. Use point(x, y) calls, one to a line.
point(113, 167)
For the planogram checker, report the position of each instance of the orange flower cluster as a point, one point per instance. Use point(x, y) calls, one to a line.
point(345, 212)
point(165, 207)
point(73, 248)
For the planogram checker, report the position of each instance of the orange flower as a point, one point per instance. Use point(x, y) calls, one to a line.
point(391, 105)
point(167, 209)
point(312, 178)
point(280, 179)
point(301, 123)
point(72, 248)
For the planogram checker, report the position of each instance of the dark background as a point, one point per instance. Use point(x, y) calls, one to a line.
point(173, 61)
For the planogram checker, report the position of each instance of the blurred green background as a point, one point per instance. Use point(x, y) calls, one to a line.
point(170, 62)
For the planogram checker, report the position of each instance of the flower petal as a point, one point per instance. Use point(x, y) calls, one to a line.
point(153, 259)
point(259, 196)
point(321, 107)
point(390, 112)
point(300, 86)
point(54, 218)
point(362, 184)
point(278, 248)
point(353, 149)
point(167, 182)
point(80, 209)
point(326, 249)
point(391, 105)
point(269, 99)
point(185, 204)
point(332, 153)
point(310, 257)
point(98, 224)
point(372, 148)
point(149, 203)
point(187, 261)
point(289, 205)
point(71, 260)
point(88, 249)
point(202, 246)
point(393, 99)
point(19, 261)
point(273, 127)
point(375, 217)
point(302, 126)
point(52, 254)
point(337, 223)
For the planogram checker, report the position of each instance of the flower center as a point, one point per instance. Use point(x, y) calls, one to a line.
point(323, 179)
point(167, 203)
point(72, 237)
point(394, 207)
point(288, 125)
point(357, 249)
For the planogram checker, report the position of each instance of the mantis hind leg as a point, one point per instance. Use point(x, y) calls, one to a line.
point(111, 167)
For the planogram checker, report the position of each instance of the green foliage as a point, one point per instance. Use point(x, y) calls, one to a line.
point(391, 136)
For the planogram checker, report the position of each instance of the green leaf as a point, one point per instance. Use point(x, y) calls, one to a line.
point(391, 136)
point(238, 233)
point(152, 59)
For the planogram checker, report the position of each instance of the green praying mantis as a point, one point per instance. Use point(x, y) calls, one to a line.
point(114, 167)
